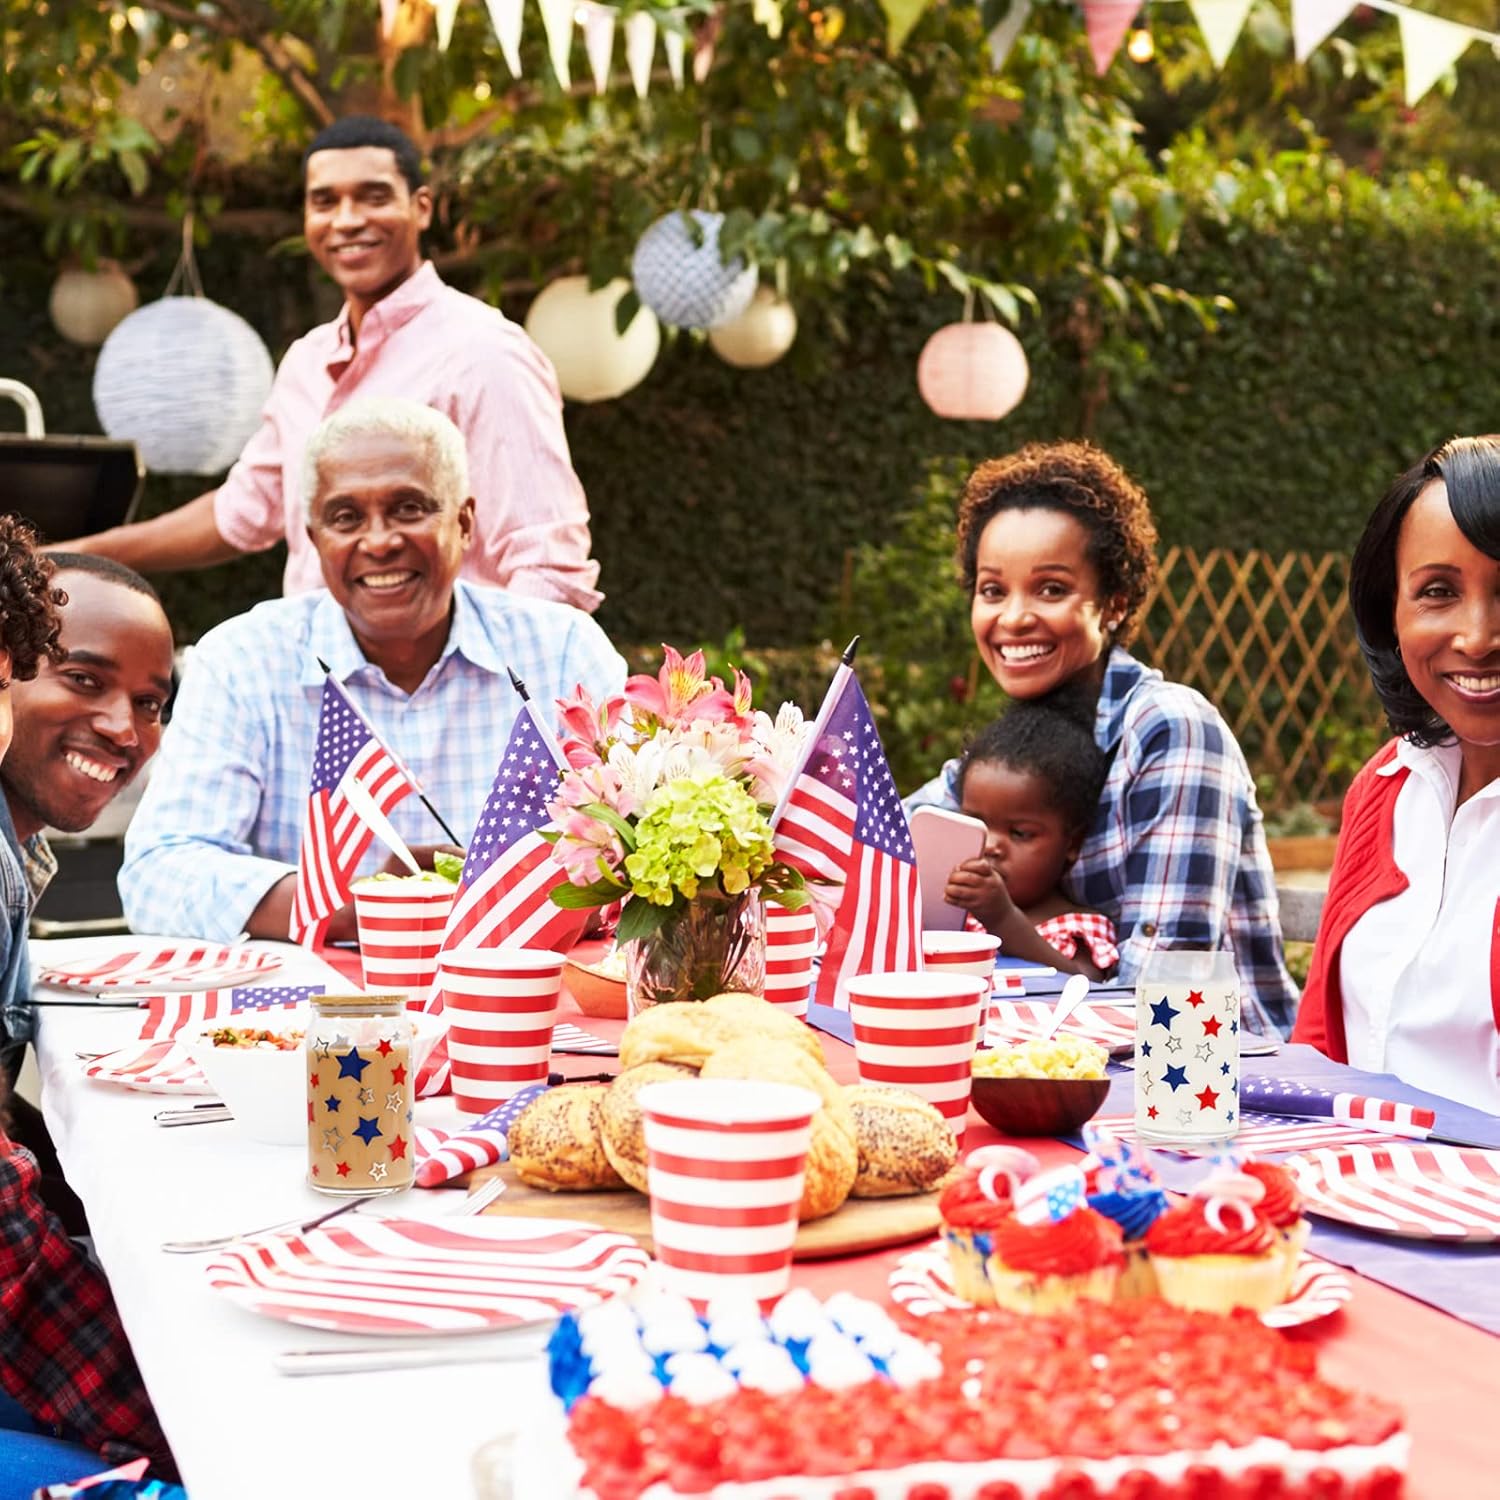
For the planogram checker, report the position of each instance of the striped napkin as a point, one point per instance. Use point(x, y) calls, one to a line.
point(442, 1156)
point(1285, 1096)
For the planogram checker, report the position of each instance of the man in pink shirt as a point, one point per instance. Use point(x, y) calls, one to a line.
point(402, 333)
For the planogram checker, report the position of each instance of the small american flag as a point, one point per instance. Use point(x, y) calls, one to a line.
point(166, 1015)
point(352, 774)
point(1286, 1096)
point(843, 821)
point(442, 1157)
point(1261, 1134)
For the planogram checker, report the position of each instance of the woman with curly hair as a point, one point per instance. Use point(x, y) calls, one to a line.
point(1057, 552)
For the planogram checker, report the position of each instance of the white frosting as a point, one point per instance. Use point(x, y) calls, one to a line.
point(607, 1321)
point(628, 1387)
point(675, 1336)
point(912, 1362)
point(771, 1370)
point(738, 1355)
point(836, 1363)
point(700, 1378)
point(799, 1315)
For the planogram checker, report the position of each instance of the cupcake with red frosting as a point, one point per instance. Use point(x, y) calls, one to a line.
point(1216, 1253)
point(1054, 1250)
point(973, 1206)
point(1281, 1208)
point(1123, 1187)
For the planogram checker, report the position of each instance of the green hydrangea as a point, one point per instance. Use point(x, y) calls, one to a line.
point(693, 830)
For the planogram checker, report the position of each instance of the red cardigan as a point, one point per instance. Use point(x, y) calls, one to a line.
point(1364, 874)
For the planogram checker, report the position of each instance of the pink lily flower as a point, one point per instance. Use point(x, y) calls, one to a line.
point(681, 693)
point(590, 726)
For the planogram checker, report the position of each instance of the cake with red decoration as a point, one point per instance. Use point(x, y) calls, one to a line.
point(972, 1208)
point(839, 1401)
point(1215, 1252)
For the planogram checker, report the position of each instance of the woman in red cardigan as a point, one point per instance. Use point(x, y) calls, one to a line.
point(1405, 977)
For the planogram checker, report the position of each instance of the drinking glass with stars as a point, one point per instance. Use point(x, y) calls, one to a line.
point(359, 1095)
point(1187, 1047)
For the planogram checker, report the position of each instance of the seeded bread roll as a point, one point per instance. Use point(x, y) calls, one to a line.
point(905, 1145)
point(622, 1131)
point(687, 1031)
point(555, 1142)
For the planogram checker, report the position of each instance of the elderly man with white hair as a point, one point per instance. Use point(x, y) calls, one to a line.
point(424, 655)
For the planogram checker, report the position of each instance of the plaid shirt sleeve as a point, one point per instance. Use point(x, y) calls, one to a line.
point(63, 1354)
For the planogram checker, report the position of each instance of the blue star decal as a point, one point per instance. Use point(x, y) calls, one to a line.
point(1176, 1076)
point(1145, 1049)
point(1224, 1069)
point(1162, 1013)
point(331, 1103)
point(352, 1065)
point(368, 1130)
point(1234, 1027)
point(1229, 1115)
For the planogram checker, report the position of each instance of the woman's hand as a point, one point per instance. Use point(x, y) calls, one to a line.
point(976, 886)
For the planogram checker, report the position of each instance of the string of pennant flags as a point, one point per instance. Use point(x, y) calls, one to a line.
point(1430, 45)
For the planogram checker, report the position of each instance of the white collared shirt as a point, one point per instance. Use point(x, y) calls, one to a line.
point(1415, 971)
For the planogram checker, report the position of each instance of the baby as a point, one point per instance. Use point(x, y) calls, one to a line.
point(1033, 778)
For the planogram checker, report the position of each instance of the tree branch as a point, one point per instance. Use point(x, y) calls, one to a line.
point(259, 223)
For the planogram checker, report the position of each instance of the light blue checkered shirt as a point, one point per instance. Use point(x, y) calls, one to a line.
point(221, 821)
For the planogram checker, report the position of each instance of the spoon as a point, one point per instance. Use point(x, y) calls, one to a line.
point(1073, 993)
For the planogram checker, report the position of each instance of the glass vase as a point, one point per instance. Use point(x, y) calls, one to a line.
point(713, 944)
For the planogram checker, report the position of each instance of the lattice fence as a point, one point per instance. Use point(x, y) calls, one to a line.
point(1270, 641)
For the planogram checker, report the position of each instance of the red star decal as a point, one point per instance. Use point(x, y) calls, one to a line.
point(315, 1169)
point(1207, 1099)
point(384, 1049)
point(1211, 1026)
point(1150, 1111)
point(309, 1112)
point(398, 1149)
point(342, 1169)
point(1195, 998)
point(315, 1084)
point(398, 1073)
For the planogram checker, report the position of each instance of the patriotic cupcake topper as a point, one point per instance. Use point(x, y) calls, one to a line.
point(996, 1162)
point(1122, 1165)
point(1052, 1196)
point(1229, 1188)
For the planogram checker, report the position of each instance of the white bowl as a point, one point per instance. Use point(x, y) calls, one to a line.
point(266, 1089)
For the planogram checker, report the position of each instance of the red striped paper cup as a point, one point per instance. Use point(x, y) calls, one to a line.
point(724, 1162)
point(791, 942)
point(400, 932)
point(501, 1005)
point(918, 1031)
point(960, 952)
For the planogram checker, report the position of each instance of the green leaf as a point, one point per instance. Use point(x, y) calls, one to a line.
point(449, 866)
point(1000, 299)
point(625, 310)
point(640, 918)
point(607, 814)
point(64, 160)
point(579, 897)
point(133, 165)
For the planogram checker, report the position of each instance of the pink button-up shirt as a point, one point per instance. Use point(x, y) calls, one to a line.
point(428, 342)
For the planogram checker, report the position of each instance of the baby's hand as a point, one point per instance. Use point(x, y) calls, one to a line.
point(976, 886)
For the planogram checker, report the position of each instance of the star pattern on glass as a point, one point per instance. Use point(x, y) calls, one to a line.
point(378, 1171)
point(323, 1050)
point(398, 1074)
point(352, 1065)
point(366, 1097)
point(398, 1148)
point(1195, 998)
point(1224, 1069)
point(368, 1129)
point(333, 1139)
point(394, 1101)
point(1204, 1052)
point(1147, 1081)
point(1211, 1026)
point(331, 1104)
point(383, 1047)
point(1206, 1097)
point(1145, 1048)
point(1151, 1111)
point(1163, 1013)
point(1174, 1044)
point(1176, 1077)
point(342, 1169)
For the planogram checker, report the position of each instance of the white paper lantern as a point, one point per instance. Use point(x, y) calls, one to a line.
point(760, 335)
point(86, 305)
point(973, 371)
point(575, 329)
point(687, 285)
point(185, 379)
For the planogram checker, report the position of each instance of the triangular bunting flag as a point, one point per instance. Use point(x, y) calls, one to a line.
point(900, 17)
point(1221, 22)
point(443, 13)
point(1106, 22)
point(388, 9)
point(1430, 47)
point(640, 50)
point(505, 17)
point(557, 18)
point(1003, 37)
point(676, 45)
point(1313, 21)
point(598, 22)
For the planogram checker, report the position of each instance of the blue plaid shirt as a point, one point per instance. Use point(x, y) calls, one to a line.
point(221, 821)
point(1177, 855)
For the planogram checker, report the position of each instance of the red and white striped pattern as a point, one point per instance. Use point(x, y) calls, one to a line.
point(962, 952)
point(407, 1276)
point(1393, 1117)
point(501, 1005)
point(1012, 1021)
point(400, 932)
point(791, 944)
point(159, 1067)
point(918, 1032)
point(1424, 1192)
point(1260, 1134)
point(724, 1164)
point(921, 1282)
point(187, 966)
point(436, 1075)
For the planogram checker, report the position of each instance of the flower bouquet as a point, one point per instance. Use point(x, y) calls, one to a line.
point(666, 809)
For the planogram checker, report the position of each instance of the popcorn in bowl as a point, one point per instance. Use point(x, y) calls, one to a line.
point(1061, 1057)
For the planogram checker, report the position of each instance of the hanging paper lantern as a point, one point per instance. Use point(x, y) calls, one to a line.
point(575, 329)
point(973, 371)
point(86, 305)
point(185, 379)
point(760, 335)
point(686, 284)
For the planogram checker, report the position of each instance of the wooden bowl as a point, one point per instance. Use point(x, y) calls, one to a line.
point(596, 994)
point(1038, 1106)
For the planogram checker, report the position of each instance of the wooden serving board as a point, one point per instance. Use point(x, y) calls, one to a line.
point(861, 1224)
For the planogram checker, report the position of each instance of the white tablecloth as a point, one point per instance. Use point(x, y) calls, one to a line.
point(240, 1430)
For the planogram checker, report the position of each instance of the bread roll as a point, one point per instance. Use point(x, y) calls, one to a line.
point(749, 1015)
point(832, 1166)
point(687, 1031)
point(621, 1129)
point(555, 1141)
point(905, 1145)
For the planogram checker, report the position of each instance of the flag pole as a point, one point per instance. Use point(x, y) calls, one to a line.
point(840, 677)
point(405, 770)
point(549, 739)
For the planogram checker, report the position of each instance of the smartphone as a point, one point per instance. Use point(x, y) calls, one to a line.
point(942, 840)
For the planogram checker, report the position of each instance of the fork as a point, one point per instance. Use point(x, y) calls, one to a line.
point(195, 1247)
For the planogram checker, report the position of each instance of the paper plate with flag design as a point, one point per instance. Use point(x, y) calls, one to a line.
point(153, 1067)
point(150, 971)
point(409, 1276)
